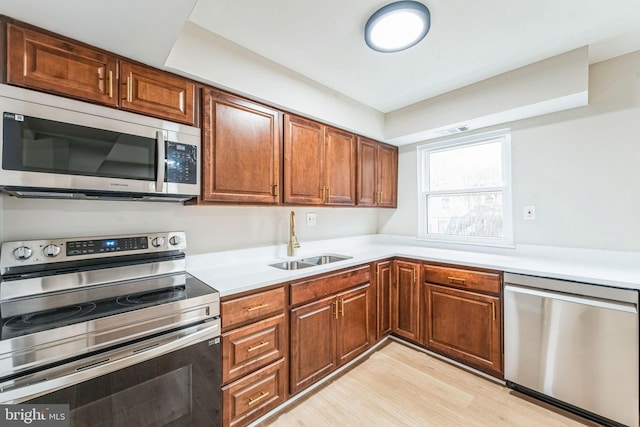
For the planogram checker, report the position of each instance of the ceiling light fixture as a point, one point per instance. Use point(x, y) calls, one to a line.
point(397, 26)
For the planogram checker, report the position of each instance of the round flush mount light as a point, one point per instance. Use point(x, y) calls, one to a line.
point(397, 26)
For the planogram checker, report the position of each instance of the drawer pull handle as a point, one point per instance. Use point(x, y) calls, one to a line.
point(257, 307)
point(457, 280)
point(257, 346)
point(254, 400)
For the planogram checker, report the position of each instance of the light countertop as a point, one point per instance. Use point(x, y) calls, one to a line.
point(237, 271)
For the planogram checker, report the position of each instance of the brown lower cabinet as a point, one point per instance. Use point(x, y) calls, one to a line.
point(254, 395)
point(383, 279)
point(463, 316)
point(405, 299)
point(254, 355)
point(452, 310)
point(329, 332)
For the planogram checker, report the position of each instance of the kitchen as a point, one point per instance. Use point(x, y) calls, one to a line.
point(576, 166)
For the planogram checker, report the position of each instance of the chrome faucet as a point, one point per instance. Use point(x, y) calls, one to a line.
point(293, 239)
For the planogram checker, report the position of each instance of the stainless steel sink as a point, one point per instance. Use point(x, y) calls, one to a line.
point(324, 259)
point(309, 262)
point(291, 265)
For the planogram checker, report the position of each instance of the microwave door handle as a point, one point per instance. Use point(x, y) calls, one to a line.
point(160, 163)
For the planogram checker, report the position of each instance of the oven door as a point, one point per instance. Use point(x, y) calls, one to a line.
point(169, 380)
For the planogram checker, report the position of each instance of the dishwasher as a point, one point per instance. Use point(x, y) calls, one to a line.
point(574, 345)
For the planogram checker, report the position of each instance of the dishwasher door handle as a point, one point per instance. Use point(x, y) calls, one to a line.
point(577, 299)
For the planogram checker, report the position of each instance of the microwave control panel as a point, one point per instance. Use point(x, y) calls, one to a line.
point(182, 161)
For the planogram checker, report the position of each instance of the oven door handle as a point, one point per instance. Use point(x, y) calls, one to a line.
point(50, 380)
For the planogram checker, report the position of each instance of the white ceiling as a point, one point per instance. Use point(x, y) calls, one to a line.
point(469, 41)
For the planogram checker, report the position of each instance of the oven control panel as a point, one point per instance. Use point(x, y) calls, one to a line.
point(82, 247)
point(34, 252)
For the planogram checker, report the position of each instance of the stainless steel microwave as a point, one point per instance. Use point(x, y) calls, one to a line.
point(54, 147)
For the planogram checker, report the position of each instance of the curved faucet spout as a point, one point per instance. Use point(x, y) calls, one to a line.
point(293, 239)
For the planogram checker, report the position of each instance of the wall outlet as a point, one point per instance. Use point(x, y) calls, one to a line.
point(529, 213)
point(311, 219)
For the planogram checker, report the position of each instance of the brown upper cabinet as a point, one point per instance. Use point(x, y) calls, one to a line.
point(155, 93)
point(41, 61)
point(44, 61)
point(319, 163)
point(377, 174)
point(241, 146)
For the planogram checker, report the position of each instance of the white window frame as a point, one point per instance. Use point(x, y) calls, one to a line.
point(504, 136)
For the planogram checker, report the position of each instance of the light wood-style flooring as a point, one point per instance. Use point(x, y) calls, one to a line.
point(401, 386)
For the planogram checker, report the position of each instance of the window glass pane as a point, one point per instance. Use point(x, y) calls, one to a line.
point(476, 166)
point(478, 214)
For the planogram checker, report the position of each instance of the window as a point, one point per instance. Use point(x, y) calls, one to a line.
point(465, 190)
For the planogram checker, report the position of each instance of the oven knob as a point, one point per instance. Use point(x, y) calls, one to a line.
point(21, 253)
point(175, 240)
point(51, 250)
point(157, 242)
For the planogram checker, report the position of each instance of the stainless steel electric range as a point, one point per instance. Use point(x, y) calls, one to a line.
point(112, 326)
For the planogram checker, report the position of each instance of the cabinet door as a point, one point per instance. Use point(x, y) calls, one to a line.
point(367, 172)
point(340, 167)
point(406, 293)
point(44, 62)
point(465, 326)
point(313, 342)
point(303, 161)
point(353, 326)
point(149, 91)
point(387, 176)
point(383, 282)
point(241, 145)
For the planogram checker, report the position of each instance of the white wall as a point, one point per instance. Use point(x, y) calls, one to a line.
point(551, 85)
point(209, 228)
point(578, 167)
point(235, 68)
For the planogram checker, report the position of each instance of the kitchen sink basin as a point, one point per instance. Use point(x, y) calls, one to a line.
point(309, 262)
point(291, 265)
point(324, 259)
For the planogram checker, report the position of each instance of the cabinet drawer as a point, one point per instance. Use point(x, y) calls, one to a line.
point(314, 289)
point(253, 396)
point(482, 281)
point(251, 307)
point(252, 347)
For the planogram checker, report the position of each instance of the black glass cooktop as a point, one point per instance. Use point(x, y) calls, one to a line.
point(29, 323)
